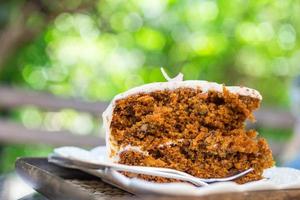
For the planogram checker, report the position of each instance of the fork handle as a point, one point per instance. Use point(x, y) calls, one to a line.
point(138, 170)
point(124, 168)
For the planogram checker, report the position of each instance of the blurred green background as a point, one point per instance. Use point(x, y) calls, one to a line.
point(92, 50)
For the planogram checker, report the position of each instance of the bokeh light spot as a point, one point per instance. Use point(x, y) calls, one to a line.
point(133, 21)
point(150, 39)
point(153, 8)
point(287, 37)
point(31, 117)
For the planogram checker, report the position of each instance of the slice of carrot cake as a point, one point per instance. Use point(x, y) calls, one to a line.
point(197, 127)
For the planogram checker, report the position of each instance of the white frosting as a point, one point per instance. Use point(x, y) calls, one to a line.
point(171, 142)
point(129, 148)
point(138, 149)
point(205, 86)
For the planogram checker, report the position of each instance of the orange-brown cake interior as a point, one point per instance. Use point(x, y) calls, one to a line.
point(202, 134)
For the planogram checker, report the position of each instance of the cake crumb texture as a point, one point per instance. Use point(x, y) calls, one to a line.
point(202, 134)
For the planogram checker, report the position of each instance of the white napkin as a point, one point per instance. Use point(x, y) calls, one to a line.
point(276, 178)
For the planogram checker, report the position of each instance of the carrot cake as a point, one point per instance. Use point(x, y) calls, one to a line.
point(197, 127)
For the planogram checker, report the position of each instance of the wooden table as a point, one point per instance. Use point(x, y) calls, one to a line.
point(60, 183)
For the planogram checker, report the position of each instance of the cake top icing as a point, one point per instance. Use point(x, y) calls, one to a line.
point(178, 82)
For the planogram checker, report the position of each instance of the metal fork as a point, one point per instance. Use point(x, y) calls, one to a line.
point(152, 171)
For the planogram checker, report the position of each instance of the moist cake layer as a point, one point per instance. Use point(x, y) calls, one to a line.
point(201, 133)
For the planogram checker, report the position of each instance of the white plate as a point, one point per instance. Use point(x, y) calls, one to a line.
point(276, 178)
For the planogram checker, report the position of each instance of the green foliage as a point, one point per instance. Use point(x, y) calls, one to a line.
point(278, 135)
point(10, 153)
point(123, 43)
